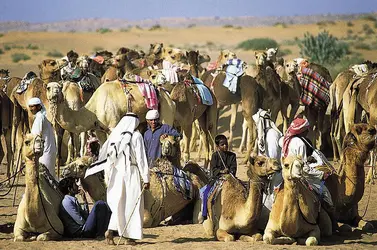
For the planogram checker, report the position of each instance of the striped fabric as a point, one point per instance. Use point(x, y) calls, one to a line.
point(315, 89)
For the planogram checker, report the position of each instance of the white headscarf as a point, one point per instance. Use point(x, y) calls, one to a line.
point(263, 121)
point(36, 101)
point(117, 142)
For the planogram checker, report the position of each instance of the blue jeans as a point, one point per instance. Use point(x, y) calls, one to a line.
point(98, 220)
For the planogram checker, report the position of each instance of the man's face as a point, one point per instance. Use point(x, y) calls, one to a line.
point(223, 145)
point(74, 190)
point(153, 123)
point(34, 108)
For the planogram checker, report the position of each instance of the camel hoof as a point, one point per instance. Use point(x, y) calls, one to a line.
point(311, 241)
point(19, 238)
point(42, 237)
point(109, 237)
point(268, 239)
point(228, 238)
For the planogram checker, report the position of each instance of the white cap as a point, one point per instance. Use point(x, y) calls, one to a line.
point(152, 114)
point(34, 101)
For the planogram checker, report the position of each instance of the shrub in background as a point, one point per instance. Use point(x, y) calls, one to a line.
point(258, 44)
point(20, 57)
point(323, 48)
point(103, 30)
point(55, 53)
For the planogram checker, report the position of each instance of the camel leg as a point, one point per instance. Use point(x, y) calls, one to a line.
point(208, 227)
point(50, 235)
point(313, 237)
point(19, 235)
point(197, 213)
point(251, 140)
point(194, 137)
point(83, 138)
point(205, 135)
point(70, 147)
point(222, 235)
point(233, 116)
point(186, 141)
point(9, 155)
point(244, 136)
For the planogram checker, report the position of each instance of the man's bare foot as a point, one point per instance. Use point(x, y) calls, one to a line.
point(109, 237)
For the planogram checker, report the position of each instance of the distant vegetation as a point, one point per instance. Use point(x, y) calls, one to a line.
point(191, 25)
point(257, 44)
point(323, 48)
point(103, 30)
point(155, 27)
point(98, 48)
point(1, 34)
point(1, 51)
point(279, 24)
point(369, 18)
point(19, 57)
point(32, 46)
point(55, 53)
point(363, 46)
point(284, 52)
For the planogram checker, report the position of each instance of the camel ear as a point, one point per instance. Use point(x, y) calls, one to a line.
point(252, 158)
point(255, 53)
point(187, 53)
point(162, 45)
point(197, 52)
point(151, 45)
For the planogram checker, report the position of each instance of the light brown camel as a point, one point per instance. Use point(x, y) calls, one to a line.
point(349, 183)
point(38, 211)
point(235, 211)
point(296, 212)
point(278, 63)
point(250, 93)
point(189, 108)
point(109, 103)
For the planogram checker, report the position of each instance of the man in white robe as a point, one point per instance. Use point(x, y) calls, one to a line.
point(125, 166)
point(42, 127)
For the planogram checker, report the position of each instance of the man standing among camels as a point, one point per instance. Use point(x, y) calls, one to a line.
point(42, 127)
point(154, 133)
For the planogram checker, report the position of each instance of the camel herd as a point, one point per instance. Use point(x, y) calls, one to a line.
point(270, 84)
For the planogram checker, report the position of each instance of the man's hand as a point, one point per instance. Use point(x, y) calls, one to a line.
point(146, 185)
point(224, 171)
point(163, 136)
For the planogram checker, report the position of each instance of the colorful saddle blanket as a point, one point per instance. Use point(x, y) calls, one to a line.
point(315, 89)
point(205, 94)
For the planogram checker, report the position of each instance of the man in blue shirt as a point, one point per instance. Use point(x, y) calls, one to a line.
point(77, 221)
point(155, 131)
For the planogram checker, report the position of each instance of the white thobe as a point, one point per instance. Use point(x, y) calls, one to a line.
point(41, 126)
point(273, 150)
point(125, 188)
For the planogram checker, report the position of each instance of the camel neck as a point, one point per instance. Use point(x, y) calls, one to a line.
point(254, 199)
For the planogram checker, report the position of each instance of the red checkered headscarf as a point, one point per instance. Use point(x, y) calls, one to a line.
point(298, 126)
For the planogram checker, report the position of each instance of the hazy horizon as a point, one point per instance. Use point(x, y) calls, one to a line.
point(40, 11)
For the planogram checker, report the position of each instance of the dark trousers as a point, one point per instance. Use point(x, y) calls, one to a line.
point(98, 220)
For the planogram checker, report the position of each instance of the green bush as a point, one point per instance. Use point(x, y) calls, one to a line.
point(257, 44)
point(19, 57)
point(15, 46)
point(343, 64)
point(368, 18)
point(279, 24)
point(1, 34)
point(289, 42)
point(32, 46)
point(363, 46)
point(1, 51)
point(55, 53)
point(367, 29)
point(350, 24)
point(7, 47)
point(103, 30)
point(227, 26)
point(191, 25)
point(98, 48)
point(155, 27)
point(124, 30)
point(284, 52)
point(323, 48)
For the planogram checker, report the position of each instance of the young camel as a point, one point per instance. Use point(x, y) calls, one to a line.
point(296, 212)
point(39, 207)
point(236, 211)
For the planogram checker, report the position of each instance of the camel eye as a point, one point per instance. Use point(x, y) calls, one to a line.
point(260, 163)
point(286, 165)
point(53, 63)
point(27, 143)
point(153, 77)
point(48, 88)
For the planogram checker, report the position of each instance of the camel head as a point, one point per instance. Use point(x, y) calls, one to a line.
point(173, 55)
point(156, 48)
point(291, 67)
point(292, 168)
point(192, 57)
point(361, 135)
point(83, 62)
point(156, 77)
point(50, 68)
point(77, 168)
point(260, 58)
point(225, 55)
point(271, 54)
point(262, 166)
point(170, 146)
point(33, 146)
point(54, 92)
point(203, 58)
point(119, 61)
point(4, 73)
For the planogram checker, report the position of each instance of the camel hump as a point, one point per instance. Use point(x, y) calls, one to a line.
point(194, 168)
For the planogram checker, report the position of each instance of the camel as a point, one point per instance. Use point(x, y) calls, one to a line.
point(250, 93)
point(162, 199)
point(93, 184)
point(296, 212)
point(6, 115)
point(109, 103)
point(236, 211)
point(188, 109)
point(39, 207)
point(278, 63)
point(349, 183)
